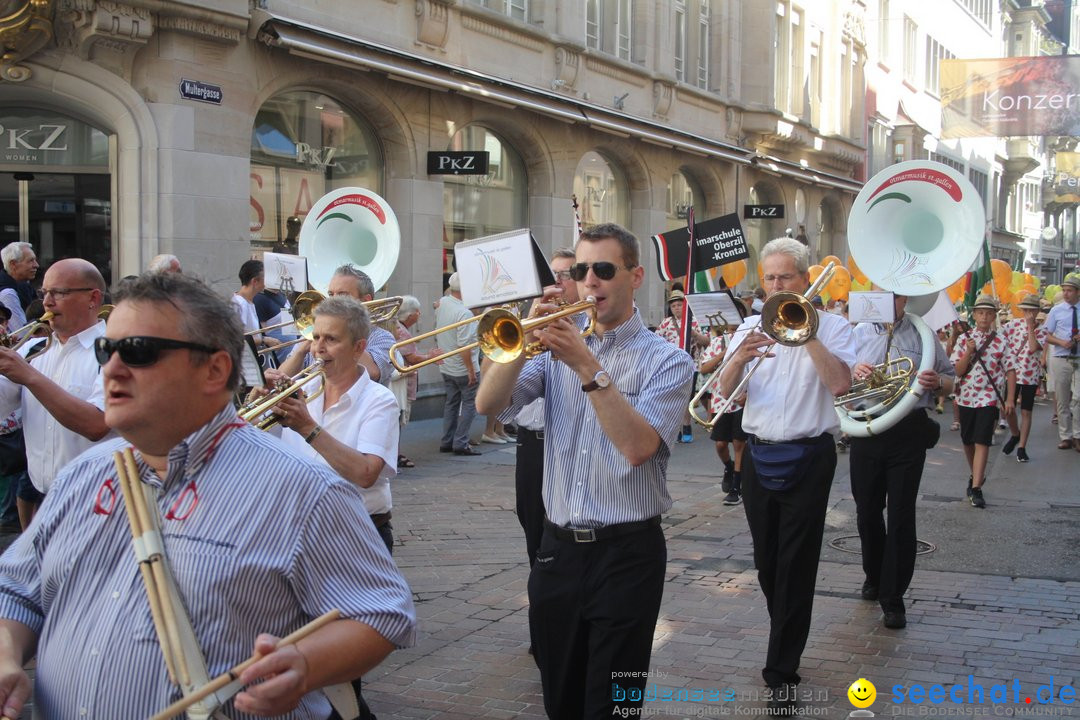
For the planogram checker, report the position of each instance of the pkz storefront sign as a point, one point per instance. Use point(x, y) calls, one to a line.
point(451, 162)
point(203, 92)
point(33, 137)
point(757, 212)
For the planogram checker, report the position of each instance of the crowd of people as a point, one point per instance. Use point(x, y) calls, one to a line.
point(164, 376)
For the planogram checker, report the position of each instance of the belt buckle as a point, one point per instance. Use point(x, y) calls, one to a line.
point(583, 535)
point(539, 434)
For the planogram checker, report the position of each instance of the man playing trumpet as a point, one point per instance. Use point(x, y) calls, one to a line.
point(244, 522)
point(612, 405)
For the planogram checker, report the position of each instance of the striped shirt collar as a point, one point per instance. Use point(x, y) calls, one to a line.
point(624, 333)
point(192, 453)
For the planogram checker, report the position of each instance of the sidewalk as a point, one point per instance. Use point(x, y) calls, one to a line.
point(998, 598)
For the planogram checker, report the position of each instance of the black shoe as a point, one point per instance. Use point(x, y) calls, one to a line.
point(445, 448)
point(467, 450)
point(783, 698)
point(894, 619)
point(729, 473)
point(1010, 444)
point(733, 498)
point(977, 499)
point(1021, 455)
point(869, 591)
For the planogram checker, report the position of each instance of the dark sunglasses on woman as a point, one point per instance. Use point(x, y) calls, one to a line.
point(141, 351)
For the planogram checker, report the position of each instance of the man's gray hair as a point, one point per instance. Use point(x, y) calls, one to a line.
point(205, 317)
point(349, 309)
point(791, 247)
point(409, 305)
point(164, 263)
point(363, 281)
point(565, 253)
point(15, 252)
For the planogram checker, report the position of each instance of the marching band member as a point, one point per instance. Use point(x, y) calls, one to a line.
point(789, 420)
point(728, 433)
point(615, 399)
point(249, 556)
point(670, 329)
point(886, 469)
point(1026, 342)
point(984, 364)
point(59, 390)
point(353, 425)
point(354, 282)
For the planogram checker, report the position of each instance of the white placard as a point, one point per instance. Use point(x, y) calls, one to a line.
point(712, 304)
point(942, 314)
point(871, 306)
point(499, 269)
point(287, 273)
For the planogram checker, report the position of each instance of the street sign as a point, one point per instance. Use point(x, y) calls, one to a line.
point(203, 92)
point(469, 162)
point(767, 212)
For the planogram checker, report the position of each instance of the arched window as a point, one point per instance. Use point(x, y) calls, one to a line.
point(601, 191)
point(303, 145)
point(479, 205)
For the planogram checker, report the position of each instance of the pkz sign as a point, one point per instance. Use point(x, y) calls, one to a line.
point(203, 92)
point(767, 212)
point(458, 162)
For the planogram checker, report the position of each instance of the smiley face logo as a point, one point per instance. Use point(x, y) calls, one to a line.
point(862, 693)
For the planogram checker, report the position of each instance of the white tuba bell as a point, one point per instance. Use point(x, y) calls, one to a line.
point(914, 229)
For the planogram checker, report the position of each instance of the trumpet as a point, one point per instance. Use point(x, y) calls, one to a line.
point(13, 340)
point(789, 319)
point(255, 411)
point(500, 334)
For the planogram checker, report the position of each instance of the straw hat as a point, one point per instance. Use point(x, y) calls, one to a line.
point(1072, 279)
point(986, 301)
point(1030, 301)
point(676, 295)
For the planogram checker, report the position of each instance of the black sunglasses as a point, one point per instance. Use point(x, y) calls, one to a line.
point(602, 270)
point(140, 351)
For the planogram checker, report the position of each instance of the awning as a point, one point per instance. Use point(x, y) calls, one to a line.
point(807, 174)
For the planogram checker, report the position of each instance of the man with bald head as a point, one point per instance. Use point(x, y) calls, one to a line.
point(60, 390)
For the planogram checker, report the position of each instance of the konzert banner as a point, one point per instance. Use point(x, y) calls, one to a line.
point(1010, 96)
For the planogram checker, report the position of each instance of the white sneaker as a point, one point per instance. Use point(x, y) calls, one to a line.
point(493, 440)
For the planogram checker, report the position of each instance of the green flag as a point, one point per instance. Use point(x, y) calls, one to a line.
point(978, 278)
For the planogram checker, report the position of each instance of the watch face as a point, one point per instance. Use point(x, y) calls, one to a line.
point(602, 379)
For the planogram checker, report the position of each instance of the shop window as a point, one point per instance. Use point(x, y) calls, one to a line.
point(303, 145)
point(601, 192)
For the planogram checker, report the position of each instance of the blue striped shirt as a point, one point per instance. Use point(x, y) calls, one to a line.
point(588, 483)
point(378, 346)
point(259, 540)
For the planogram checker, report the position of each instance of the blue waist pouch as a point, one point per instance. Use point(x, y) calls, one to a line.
point(779, 466)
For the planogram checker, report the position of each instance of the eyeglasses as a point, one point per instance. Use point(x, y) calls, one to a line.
point(61, 293)
point(785, 278)
point(561, 275)
point(602, 270)
point(139, 351)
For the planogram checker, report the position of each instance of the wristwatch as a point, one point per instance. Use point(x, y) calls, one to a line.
point(600, 381)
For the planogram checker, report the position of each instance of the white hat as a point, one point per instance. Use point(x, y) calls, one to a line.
point(454, 282)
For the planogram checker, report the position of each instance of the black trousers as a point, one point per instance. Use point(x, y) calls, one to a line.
point(787, 527)
point(529, 483)
point(592, 614)
point(885, 473)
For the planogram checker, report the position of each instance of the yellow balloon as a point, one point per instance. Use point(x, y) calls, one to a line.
point(956, 291)
point(1002, 272)
point(857, 275)
point(815, 272)
point(831, 259)
point(839, 284)
point(733, 273)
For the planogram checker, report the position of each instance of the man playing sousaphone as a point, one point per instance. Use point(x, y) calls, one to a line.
point(886, 468)
point(789, 419)
point(245, 524)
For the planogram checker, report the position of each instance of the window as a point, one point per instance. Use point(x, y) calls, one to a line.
point(592, 23)
point(814, 79)
point(956, 165)
point(602, 192)
point(883, 29)
point(981, 9)
point(911, 34)
point(798, 66)
point(517, 9)
point(623, 29)
point(935, 53)
point(781, 53)
point(680, 41)
point(703, 46)
point(981, 181)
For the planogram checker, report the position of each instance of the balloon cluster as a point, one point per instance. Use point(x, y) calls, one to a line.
point(1011, 286)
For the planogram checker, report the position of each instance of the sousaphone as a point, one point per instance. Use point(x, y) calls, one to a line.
point(350, 225)
point(914, 229)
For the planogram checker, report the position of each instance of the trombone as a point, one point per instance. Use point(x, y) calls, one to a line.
point(789, 319)
point(500, 334)
point(303, 312)
point(254, 410)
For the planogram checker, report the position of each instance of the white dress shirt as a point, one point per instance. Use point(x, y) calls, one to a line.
point(365, 419)
point(71, 365)
point(786, 399)
point(11, 301)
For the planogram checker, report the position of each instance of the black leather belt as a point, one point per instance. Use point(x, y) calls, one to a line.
point(538, 434)
point(588, 535)
point(381, 519)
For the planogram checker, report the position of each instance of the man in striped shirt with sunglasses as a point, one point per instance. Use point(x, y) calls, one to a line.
point(613, 403)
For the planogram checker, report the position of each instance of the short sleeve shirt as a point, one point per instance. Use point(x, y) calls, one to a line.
point(1026, 363)
point(976, 389)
